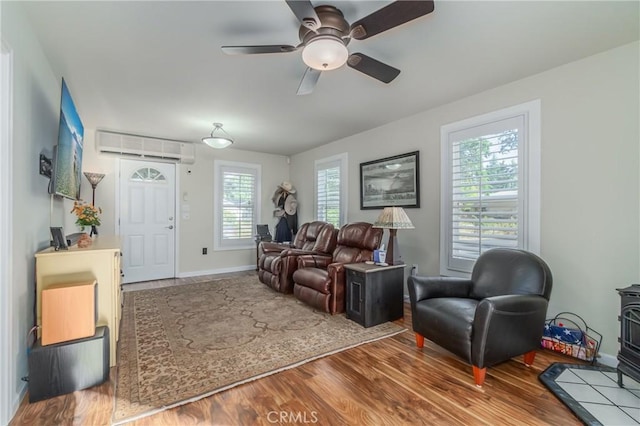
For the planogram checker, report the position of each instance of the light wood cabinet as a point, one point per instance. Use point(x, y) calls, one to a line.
point(100, 261)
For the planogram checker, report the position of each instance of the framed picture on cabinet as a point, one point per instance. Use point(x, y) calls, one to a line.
point(59, 240)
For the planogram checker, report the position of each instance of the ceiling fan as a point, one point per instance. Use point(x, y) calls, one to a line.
point(324, 35)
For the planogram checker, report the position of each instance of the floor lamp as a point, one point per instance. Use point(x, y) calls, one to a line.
point(94, 179)
point(393, 218)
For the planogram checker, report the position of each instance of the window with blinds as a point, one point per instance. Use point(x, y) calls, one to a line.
point(238, 204)
point(484, 195)
point(330, 194)
point(237, 201)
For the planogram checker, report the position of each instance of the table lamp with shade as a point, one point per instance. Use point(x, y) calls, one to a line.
point(393, 218)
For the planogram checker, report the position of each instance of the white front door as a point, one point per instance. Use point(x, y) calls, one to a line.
point(147, 220)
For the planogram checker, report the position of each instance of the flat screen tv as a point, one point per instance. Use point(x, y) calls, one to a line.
point(68, 153)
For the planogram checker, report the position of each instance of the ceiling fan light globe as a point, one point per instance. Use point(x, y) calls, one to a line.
point(325, 53)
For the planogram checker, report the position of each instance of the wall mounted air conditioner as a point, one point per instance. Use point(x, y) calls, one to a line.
point(145, 147)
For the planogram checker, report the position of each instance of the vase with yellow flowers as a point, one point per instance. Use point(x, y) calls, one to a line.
point(87, 215)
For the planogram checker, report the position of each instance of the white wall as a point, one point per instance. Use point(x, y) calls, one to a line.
point(197, 232)
point(36, 103)
point(590, 178)
point(197, 181)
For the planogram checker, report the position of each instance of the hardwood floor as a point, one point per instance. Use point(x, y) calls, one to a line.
point(388, 382)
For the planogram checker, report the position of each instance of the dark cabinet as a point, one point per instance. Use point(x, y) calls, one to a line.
point(66, 367)
point(374, 293)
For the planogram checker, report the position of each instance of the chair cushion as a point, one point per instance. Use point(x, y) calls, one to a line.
point(447, 322)
point(306, 236)
point(361, 235)
point(356, 242)
point(314, 278)
point(507, 271)
point(316, 236)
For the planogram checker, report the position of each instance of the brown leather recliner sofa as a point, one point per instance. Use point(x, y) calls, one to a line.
point(278, 261)
point(497, 314)
point(320, 280)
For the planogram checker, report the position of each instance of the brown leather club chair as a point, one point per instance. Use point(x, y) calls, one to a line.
point(496, 315)
point(278, 261)
point(320, 280)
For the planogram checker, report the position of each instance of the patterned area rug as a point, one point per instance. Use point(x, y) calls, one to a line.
point(179, 344)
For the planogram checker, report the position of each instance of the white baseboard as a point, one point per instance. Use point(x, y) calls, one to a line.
point(15, 404)
point(216, 271)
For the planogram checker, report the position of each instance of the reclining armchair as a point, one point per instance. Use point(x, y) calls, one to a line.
point(278, 261)
point(496, 315)
point(320, 280)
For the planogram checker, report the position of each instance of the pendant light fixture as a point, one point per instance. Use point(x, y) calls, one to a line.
point(219, 139)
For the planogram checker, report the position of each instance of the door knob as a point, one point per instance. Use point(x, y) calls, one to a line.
point(169, 227)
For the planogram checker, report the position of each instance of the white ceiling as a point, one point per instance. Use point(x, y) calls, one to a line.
point(156, 68)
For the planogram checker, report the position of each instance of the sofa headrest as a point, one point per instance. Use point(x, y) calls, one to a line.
point(360, 235)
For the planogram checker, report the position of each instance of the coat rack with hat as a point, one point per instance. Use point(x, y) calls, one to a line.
point(286, 211)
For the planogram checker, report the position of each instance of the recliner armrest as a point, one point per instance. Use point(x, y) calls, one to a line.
point(269, 247)
point(421, 288)
point(335, 268)
point(296, 252)
point(314, 261)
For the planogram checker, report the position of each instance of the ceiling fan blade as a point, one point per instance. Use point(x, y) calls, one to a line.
point(309, 80)
point(390, 16)
point(372, 67)
point(306, 14)
point(249, 50)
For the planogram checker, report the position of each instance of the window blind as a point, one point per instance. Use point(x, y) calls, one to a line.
point(485, 190)
point(328, 198)
point(484, 197)
point(238, 204)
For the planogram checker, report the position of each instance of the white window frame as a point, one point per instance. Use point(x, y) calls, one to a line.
point(219, 166)
point(324, 163)
point(528, 180)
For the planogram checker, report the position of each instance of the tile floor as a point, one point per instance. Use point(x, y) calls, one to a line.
point(598, 392)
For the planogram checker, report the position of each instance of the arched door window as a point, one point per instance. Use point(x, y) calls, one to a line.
point(148, 174)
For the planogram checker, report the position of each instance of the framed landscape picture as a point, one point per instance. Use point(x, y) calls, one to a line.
point(392, 181)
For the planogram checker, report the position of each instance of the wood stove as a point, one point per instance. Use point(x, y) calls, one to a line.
point(629, 355)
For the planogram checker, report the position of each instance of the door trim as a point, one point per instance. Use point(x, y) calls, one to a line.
point(177, 206)
point(9, 399)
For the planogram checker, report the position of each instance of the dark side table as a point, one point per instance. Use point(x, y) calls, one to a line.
point(374, 293)
point(69, 366)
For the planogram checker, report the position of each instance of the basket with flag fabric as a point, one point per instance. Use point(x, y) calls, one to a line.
point(569, 334)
